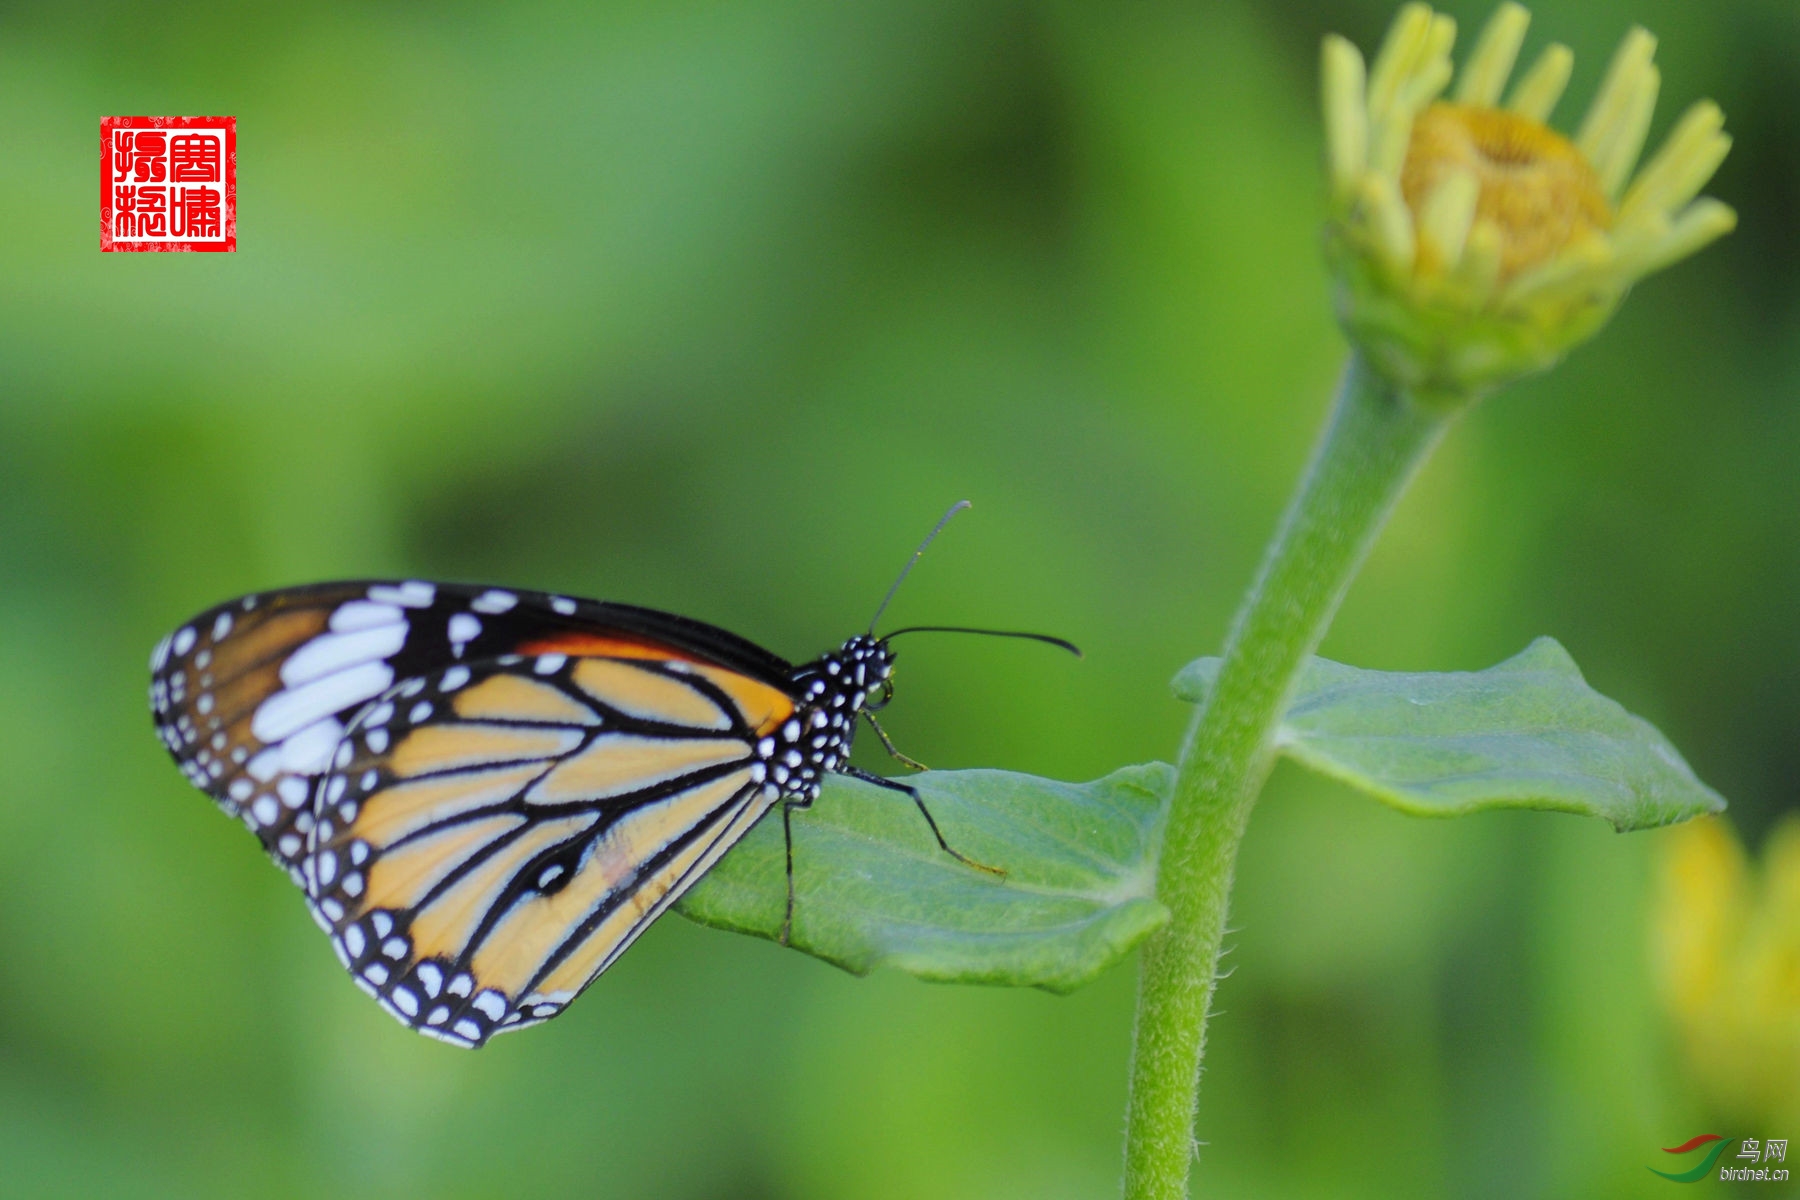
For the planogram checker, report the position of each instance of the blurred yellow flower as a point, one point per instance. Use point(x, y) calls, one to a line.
point(1471, 242)
point(1726, 951)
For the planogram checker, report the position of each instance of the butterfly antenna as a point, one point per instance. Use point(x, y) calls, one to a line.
point(916, 555)
point(1047, 639)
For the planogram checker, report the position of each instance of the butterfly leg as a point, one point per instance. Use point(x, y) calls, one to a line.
point(888, 742)
point(897, 786)
point(787, 835)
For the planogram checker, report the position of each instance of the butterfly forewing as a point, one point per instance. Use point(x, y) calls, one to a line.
point(490, 836)
point(251, 697)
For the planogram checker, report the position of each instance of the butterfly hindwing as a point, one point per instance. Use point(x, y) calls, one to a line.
point(491, 835)
point(252, 697)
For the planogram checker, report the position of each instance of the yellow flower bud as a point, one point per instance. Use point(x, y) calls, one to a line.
point(1472, 243)
point(1725, 945)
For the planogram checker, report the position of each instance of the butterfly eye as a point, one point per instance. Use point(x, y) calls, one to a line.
point(876, 704)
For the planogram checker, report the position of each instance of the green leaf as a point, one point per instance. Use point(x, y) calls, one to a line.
point(1527, 733)
point(872, 887)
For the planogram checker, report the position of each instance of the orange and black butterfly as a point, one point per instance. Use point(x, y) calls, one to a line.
point(488, 793)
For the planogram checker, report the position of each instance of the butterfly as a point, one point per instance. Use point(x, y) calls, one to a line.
point(488, 793)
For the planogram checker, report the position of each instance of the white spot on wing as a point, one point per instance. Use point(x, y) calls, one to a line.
point(411, 594)
point(266, 765)
point(295, 708)
point(184, 641)
point(308, 752)
point(364, 614)
point(563, 605)
point(332, 652)
point(464, 627)
point(493, 601)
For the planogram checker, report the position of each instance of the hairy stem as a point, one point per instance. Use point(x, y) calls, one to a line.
point(1375, 441)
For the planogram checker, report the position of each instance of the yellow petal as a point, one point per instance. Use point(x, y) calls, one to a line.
point(1618, 153)
point(1446, 216)
point(1536, 94)
point(1346, 115)
point(1432, 71)
point(1705, 220)
point(1572, 268)
point(1478, 271)
point(1618, 91)
point(1390, 137)
point(1395, 63)
point(1496, 50)
point(1389, 223)
point(1677, 171)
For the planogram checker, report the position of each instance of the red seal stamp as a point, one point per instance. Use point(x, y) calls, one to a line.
point(168, 183)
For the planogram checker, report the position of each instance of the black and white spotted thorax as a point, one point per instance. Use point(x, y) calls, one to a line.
point(832, 693)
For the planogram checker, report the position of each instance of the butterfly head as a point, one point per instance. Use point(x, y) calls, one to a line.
point(855, 677)
point(833, 692)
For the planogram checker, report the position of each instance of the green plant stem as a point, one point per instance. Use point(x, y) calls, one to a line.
point(1371, 448)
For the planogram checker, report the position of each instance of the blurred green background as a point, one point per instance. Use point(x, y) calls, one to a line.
point(716, 308)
